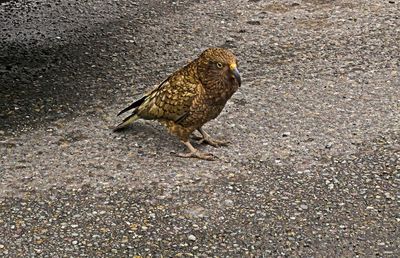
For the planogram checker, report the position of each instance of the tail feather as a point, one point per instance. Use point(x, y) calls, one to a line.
point(133, 105)
point(127, 121)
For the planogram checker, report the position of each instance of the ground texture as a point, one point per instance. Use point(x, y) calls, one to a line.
point(313, 167)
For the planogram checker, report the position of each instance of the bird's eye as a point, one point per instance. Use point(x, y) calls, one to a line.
point(219, 65)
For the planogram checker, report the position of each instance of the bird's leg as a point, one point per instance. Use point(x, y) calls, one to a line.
point(194, 153)
point(207, 139)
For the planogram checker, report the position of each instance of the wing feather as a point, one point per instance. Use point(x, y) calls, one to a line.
point(171, 100)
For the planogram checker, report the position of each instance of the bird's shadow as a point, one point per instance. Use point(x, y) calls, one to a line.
point(150, 136)
point(153, 135)
point(145, 132)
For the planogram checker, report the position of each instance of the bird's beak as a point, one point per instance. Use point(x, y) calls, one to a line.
point(235, 73)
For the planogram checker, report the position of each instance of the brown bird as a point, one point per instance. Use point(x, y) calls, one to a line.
point(190, 97)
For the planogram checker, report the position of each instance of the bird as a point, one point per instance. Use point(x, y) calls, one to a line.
point(189, 98)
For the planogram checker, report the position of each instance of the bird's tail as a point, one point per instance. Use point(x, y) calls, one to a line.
point(127, 121)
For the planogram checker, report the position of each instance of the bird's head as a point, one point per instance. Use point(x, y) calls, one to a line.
point(218, 65)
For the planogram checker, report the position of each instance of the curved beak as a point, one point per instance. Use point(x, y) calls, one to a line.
point(236, 74)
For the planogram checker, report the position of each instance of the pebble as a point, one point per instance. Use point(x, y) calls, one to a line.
point(228, 202)
point(192, 238)
point(329, 145)
point(265, 157)
point(303, 207)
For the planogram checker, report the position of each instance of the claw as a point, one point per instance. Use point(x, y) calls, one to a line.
point(197, 154)
point(213, 142)
point(194, 153)
point(207, 139)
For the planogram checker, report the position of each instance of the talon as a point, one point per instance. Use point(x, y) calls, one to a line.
point(207, 139)
point(194, 153)
point(197, 154)
point(196, 138)
point(215, 143)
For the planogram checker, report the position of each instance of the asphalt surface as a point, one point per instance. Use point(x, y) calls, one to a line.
point(313, 167)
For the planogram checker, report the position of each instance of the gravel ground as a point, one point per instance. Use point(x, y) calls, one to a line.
point(313, 169)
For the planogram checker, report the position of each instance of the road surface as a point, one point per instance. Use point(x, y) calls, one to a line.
point(313, 167)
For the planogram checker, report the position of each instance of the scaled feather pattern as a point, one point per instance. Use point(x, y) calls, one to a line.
point(190, 97)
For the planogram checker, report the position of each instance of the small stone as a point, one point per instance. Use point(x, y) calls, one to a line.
point(254, 22)
point(329, 145)
point(264, 157)
point(303, 207)
point(192, 238)
point(228, 202)
point(389, 196)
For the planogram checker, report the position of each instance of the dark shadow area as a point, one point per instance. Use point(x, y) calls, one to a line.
point(46, 82)
point(52, 70)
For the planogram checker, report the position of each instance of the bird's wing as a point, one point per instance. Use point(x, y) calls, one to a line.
point(171, 100)
point(140, 101)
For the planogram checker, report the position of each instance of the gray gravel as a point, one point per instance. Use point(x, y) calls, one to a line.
point(313, 169)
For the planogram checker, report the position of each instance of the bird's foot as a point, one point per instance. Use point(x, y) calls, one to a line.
point(197, 154)
point(207, 139)
point(194, 153)
point(210, 141)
